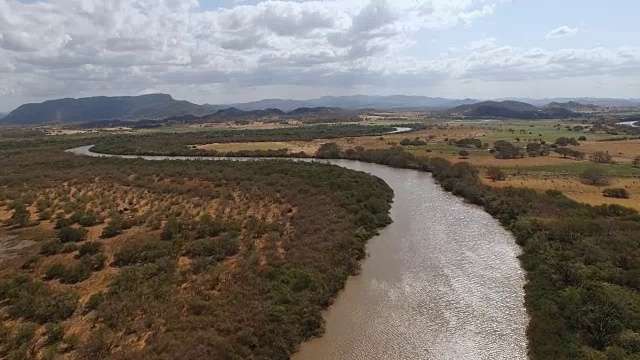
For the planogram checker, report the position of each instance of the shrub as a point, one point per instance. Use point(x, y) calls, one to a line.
point(463, 154)
point(93, 302)
point(616, 193)
point(582, 138)
point(35, 301)
point(595, 176)
point(55, 271)
point(69, 234)
point(89, 248)
point(506, 150)
point(414, 142)
point(69, 248)
point(141, 252)
point(52, 247)
point(113, 228)
point(468, 143)
point(30, 263)
point(565, 141)
point(171, 229)
point(495, 174)
point(601, 157)
point(20, 217)
point(55, 333)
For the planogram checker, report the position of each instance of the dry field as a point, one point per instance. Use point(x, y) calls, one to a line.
point(576, 190)
point(622, 151)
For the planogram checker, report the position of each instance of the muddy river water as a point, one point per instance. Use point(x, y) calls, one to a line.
point(441, 282)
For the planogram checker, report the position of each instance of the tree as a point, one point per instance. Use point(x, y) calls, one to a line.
point(20, 217)
point(328, 151)
point(464, 154)
point(636, 161)
point(564, 152)
point(601, 157)
point(595, 176)
point(495, 174)
point(506, 150)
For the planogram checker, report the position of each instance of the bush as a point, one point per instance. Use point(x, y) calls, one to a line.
point(469, 143)
point(52, 247)
point(414, 142)
point(93, 302)
point(565, 141)
point(506, 150)
point(616, 193)
point(496, 174)
point(142, 252)
point(89, 248)
point(171, 229)
point(69, 248)
point(601, 157)
point(113, 228)
point(34, 301)
point(69, 234)
point(55, 333)
point(30, 263)
point(463, 154)
point(595, 176)
point(20, 217)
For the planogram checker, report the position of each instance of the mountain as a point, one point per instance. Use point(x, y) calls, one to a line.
point(574, 106)
point(305, 115)
point(510, 109)
point(602, 102)
point(353, 102)
point(2, 115)
point(152, 106)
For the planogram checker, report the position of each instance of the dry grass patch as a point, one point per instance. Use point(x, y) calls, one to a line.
point(575, 189)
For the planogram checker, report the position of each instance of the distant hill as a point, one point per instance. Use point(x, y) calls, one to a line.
point(153, 106)
point(602, 102)
point(510, 109)
point(305, 115)
point(574, 106)
point(354, 102)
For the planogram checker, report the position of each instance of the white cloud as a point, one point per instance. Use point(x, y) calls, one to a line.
point(64, 48)
point(562, 31)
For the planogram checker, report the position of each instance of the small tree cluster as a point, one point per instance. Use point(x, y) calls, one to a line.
point(616, 193)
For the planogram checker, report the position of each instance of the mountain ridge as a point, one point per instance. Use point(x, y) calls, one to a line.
point(510, 109)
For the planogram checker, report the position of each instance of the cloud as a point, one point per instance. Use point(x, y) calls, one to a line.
point(59, 48)
point(562, 31)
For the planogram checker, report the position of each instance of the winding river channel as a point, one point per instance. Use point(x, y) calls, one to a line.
point(441, 282)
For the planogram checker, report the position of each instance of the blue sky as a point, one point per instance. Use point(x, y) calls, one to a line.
point(231, 51)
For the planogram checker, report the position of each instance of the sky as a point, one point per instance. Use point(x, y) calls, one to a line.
point(226, 51)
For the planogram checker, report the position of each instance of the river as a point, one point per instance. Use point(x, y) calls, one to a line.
point(441, 282)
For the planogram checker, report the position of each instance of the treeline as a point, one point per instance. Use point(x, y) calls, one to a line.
point(183, 143)
point(582, 262)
